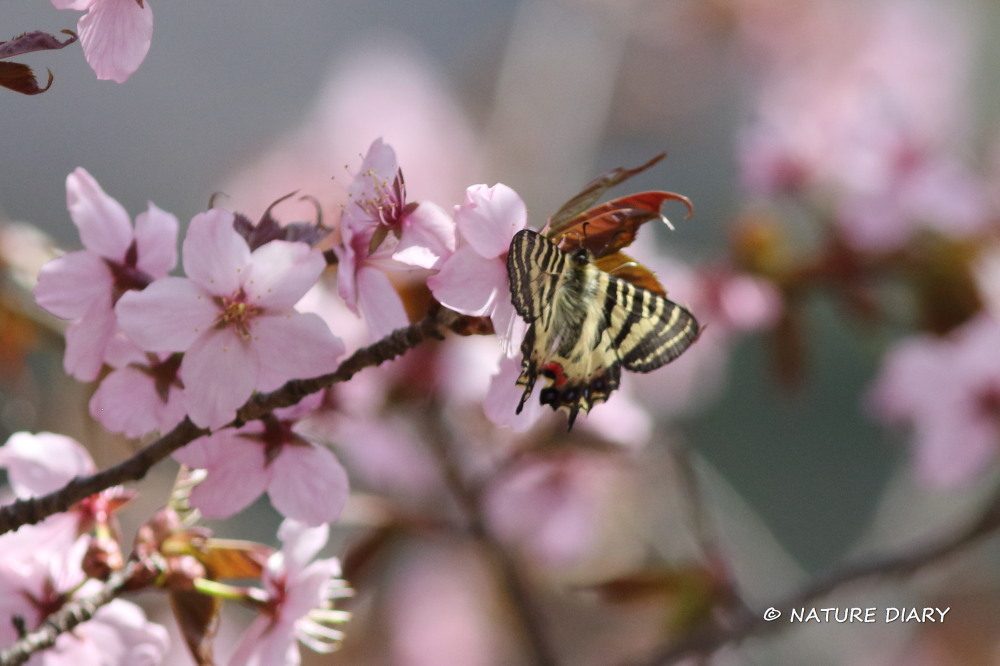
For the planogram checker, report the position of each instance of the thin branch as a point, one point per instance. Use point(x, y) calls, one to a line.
point(32, 510)
point(513, 583)
point(66, 619)
point(35, 509)
point(904, 562)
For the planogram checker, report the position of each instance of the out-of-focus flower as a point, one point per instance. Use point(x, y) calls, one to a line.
point(300, 595)
point(474, 279)
point(233, 317)
point(43, 463)
point(84, 286)
point(948, 391)
point(430, 134)
point(38, 585)
point(381, 233)
point(115, 34)
point(443, 610)
point(268, 455)
point(557, 508)
point(859, 106)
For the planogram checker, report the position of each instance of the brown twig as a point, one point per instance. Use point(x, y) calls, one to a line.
point(72, 614)
point(469, 499)
point(32, 510)
point(901, 563)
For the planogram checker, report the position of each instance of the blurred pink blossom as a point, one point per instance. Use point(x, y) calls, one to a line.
point(300, 595)
point(38, 464)
point(84, 286)
point(861, 105)
point(115, 34)
point(553, 507)
point(948, 391)
point(428, 130)
point(443, 610)
point(233, 317)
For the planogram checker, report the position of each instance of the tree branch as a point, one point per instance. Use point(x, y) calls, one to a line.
point(32, 510)
point(66, 619)
point(901, 563)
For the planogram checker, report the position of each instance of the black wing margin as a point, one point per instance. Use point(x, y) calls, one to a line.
point(534, 265)
point(648, 330)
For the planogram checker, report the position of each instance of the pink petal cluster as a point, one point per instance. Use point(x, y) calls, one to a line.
point(407, 236)
point(40, 565)
point(83, 286)
point(947, 390)
point(38, 464)
point(300, 592)
point(304, 480)
point(115, 34)
point(858, 105)
point(143, 393)
point(474, 280)
point(233, 317)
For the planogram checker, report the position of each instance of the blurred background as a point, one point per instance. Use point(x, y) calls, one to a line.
point(765, 108)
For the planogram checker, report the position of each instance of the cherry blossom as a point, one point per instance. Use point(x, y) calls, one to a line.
point(43, 463)
point(948, 391)
point(268, 455)
point(300, 595)
point(115, 34)
point(856, 107)
point(84, 286)
point(474, 279)
point(143, 393)
point(382, 233)
point(41, 582)
point(233, 317)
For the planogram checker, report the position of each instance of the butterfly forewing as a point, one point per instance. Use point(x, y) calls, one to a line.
point(585, 324)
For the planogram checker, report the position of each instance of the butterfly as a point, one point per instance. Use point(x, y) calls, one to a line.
point(590, 309)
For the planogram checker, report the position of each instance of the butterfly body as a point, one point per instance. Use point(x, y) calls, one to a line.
point(586, 324)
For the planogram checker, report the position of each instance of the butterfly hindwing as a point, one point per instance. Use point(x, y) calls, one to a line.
point(585, 324)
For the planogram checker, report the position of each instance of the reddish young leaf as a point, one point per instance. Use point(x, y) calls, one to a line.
point(595, 189)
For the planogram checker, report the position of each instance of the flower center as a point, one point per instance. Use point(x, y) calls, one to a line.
point(237, 311)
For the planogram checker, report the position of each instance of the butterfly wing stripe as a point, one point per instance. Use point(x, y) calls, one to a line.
point(673, 332)
point(533, 267)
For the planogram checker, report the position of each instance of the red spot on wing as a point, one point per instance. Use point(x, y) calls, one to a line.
point(555, 371)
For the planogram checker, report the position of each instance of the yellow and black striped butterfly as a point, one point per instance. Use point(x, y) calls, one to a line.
point(585, 324)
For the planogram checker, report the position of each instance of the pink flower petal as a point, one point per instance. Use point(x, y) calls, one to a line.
point(79, 5)
point(503, 396)
point(215, 256)
point(379, 303)
point(220, 372)
point(294, 346)
point(490, 217)
point(156, 240)
point(299, 544)
point(127, 402)
point(236, 473)
point(167, 315)
point(116, 35)
point(70, 285)
point(87, 341)
point(469, 284)
point(283, 272)
point(308, 484)
point(105, 227)
point(428, 237)
point(42, 463)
